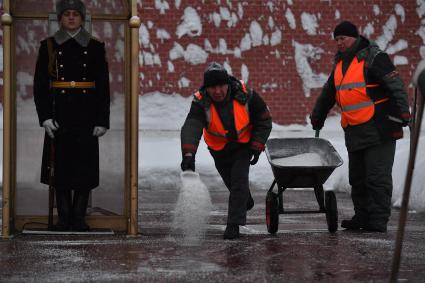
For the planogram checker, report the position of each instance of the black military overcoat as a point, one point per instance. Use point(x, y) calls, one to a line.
point(76, 110)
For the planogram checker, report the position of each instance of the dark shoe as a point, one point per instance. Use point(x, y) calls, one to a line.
point(250, 203)
point(61, 226)
point(80, 226)
point(375, 228)
point(351, 224)
point(232, 232)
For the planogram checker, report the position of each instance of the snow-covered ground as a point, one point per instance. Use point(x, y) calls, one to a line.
point(160, 120)
point(159, 152)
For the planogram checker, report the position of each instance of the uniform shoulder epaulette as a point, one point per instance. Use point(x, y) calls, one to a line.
point(46, 39)
point(96, 39)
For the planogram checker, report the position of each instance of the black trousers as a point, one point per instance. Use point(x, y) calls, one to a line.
point(370, 177)
point(233, 167)
point(71, 209)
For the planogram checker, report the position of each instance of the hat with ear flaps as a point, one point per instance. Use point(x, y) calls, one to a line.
point(77, 5)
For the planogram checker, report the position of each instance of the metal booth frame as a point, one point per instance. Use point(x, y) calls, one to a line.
point(128, 222)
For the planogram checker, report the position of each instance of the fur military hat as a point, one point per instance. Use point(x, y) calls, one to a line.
point(63, 5)
point(215, 74)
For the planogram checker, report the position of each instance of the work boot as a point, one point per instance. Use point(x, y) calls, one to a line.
point(231, 232)
point(376, 226)
point(250, 203)
point(372, 228)
point(63, 205)
point(353, 224)
point(79, 208)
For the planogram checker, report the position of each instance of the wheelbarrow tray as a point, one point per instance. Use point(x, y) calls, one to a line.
point(302, 176)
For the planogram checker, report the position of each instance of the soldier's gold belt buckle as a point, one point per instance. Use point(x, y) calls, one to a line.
point(72, 84)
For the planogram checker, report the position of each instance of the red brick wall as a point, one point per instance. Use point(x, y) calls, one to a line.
point(287, 101)
point(267, 65)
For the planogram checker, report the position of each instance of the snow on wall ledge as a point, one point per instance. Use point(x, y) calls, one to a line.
point(284, 49)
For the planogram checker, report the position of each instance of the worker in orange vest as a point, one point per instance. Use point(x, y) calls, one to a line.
point(236, 123)
point(371, 96)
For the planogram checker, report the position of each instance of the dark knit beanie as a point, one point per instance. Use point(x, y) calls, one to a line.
point(63, 5)
point(215, 74)
point(346, 28)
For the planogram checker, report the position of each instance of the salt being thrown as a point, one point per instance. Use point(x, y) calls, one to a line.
point(304, 159)
point(192, 210)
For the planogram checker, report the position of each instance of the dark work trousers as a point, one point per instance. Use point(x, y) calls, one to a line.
point(234, 170)
point(370, 177)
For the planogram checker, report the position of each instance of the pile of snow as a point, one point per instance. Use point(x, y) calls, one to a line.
point(159, 111)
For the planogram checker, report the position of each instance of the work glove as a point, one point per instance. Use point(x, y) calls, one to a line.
point(99, 131)
point(188, 163)
point(316, 123)
point(255, 154)
point(50, 126)
point(406, 118)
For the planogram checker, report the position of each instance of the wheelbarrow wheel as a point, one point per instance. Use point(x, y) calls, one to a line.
point(318, 191)
point(272, 212)
point(331, 211)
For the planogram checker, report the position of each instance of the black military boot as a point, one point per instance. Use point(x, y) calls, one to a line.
point(63, 205)
point(79, 207)
point(232, 232)
point(355, 223)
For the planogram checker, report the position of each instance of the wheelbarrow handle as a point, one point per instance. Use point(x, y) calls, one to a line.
point(316, 134)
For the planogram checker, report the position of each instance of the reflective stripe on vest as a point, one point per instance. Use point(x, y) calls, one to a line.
point(215, 134)
point(356, 106)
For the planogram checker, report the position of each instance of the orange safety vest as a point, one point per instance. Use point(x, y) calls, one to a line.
point(215, 134)
point(356, 106)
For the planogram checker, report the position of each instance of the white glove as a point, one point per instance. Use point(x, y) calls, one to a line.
point(418, 71)
point(99, 131)
point(50, 126)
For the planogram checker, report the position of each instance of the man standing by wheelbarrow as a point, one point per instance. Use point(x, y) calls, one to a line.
point(370, 93)
point(236, 124)
point(71, 93)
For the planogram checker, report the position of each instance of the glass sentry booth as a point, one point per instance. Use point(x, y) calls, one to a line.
point(113, 205)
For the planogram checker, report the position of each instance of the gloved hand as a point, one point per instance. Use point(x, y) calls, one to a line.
point(188, 162)
point(316, 123)
point(405, 117)
point(255, 154)
point(50, 126)
point(99, 131)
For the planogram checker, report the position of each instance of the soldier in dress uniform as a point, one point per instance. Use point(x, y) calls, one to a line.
point(71, 93)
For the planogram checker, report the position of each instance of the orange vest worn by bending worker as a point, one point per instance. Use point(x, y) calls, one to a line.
point(356, 106)
point(215, 134)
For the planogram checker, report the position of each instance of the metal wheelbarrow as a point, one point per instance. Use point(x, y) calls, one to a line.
point(301, 163)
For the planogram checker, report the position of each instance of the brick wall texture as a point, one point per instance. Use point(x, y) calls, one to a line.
point(271, 65)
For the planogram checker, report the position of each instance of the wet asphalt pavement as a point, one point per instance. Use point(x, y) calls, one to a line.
point(302, 250)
